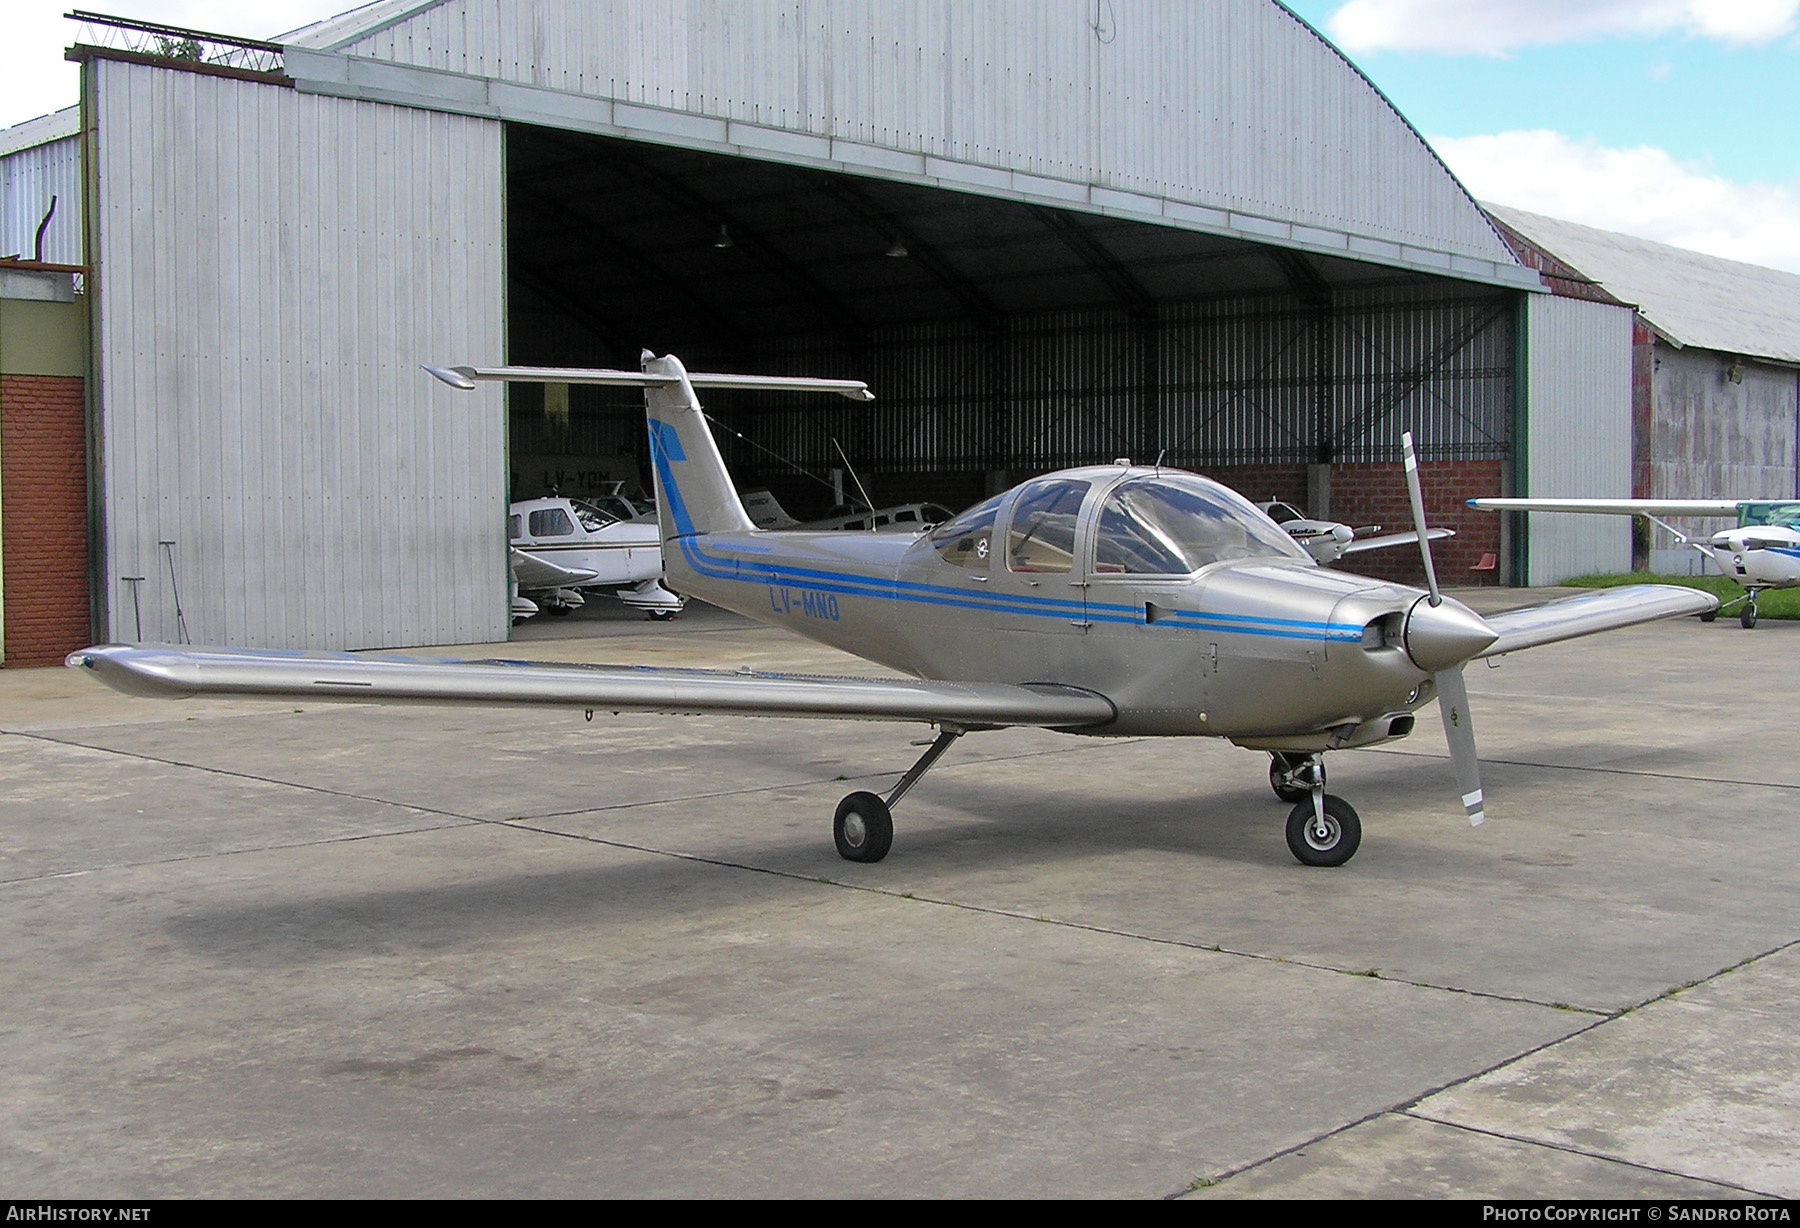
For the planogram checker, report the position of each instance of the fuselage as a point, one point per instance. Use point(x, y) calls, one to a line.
point(1758, 556)
point(1169, 594)
point(579, 533)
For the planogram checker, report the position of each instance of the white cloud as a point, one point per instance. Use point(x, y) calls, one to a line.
point(1642, 191)
point(1494, 27)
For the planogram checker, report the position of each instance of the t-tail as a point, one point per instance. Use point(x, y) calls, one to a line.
point(694, 493)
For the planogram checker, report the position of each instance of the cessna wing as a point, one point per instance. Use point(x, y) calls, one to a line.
point(178, 673)
point(533, 572)
point(1614, 507)
point(1408, 538)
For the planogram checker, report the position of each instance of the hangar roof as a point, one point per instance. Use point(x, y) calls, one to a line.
point(1690, 298)
point(1232, 118)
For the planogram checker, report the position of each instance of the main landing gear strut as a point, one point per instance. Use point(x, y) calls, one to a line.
point(1322, 829)
point(1746, 616)
point(864, 827)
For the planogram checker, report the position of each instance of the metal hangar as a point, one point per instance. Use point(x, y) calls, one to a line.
point(1047, 233)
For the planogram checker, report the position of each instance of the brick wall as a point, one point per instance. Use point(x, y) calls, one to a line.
point(1376, 494)
point(43, 524)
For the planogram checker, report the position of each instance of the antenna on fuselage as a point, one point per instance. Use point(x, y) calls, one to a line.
point(867, 502)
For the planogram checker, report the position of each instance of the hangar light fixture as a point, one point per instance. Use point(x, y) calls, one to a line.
point(724, 239)
point(896, 249)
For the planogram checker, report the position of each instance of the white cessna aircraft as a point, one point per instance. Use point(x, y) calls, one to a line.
point(1761, 553)
point(1329, 540)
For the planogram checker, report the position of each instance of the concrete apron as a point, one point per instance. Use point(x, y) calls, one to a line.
point(353, 951)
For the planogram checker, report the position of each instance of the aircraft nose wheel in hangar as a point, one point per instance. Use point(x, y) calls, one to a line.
point(863, 828)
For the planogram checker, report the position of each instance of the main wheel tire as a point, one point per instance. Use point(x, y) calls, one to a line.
point(1709, 616)
point(1747, 616)
point(559, 611)
point(1344, 833)
point(1279, 767)
point(661, 616)
point(864, 828)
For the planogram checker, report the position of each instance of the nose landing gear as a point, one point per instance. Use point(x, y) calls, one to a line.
point(1322, 828)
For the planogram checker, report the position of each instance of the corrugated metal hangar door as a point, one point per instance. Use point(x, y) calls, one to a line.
point(270, 269)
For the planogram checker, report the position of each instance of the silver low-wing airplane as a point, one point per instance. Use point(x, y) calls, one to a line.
point(1114, 600)
point(1761, 553)
point(1330, 540)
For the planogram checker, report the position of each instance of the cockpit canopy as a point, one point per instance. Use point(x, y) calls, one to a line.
point(1781, 514)
point(1151, 524)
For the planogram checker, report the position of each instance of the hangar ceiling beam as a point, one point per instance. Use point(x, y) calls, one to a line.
point(922, 253)
point(594, 230)
point(1101, 262)
point(1302, 277)
point(837, 315)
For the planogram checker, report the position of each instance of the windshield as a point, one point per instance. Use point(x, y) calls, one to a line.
point(1786, 515)
point(965, 540)
point(592, 518)
point(1176, 523)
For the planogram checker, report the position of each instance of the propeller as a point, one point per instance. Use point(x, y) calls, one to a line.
point(1439, 639)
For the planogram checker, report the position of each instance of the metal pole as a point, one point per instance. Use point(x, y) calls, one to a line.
point(137, 612)
point(181, 631)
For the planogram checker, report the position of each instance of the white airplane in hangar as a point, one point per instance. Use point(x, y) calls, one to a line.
point(766, 512)
point(1330, 540)
point(561, 546)
point(1761, 553)
point(1111, 600)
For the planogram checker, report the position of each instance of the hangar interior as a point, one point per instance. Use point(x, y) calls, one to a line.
point(1002, 338)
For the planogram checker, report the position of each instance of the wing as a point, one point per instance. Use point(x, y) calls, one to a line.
point(533, 572)
point(175, 673)
point(1606, 609)
point(1614, 507)
point(1407, 538)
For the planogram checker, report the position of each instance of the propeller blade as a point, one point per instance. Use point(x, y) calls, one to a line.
point(1418, 513)
point(1459, 731)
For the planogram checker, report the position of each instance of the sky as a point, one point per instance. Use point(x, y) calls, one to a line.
point(1674, 120)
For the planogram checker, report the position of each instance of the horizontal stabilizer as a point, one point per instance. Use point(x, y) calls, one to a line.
point(1614, 507)
point(171, 672)
point(1606, 609)
point(466, 378)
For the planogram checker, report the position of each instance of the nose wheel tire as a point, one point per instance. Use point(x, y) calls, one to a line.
point(1332, 847)
point(864, 828)
point(1747, 616)
point(1284, 780)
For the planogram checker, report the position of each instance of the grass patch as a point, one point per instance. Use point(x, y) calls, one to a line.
point(1776, 603)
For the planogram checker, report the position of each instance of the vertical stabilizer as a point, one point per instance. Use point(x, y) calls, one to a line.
point(694, 494)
